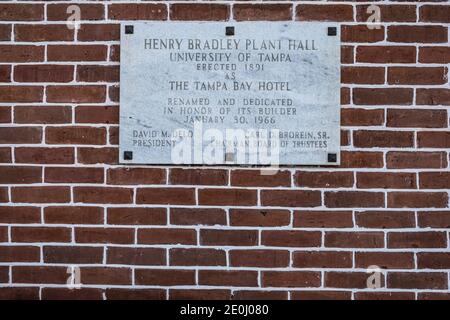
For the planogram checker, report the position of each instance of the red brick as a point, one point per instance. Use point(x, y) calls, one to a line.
point(135, 294)
point(409, 160)
point(77, 52)
point(58, 11)
point(434, 97)
point(42, 194)
point(434, 219)
point(259, 295)
point(434, 54)
point(104, 235)
point(40, 234)
point(233, 278)
point(114, 53)
point(362, 75)
point(345, 138)
point(197, 216)
point(417, 118)
point(44, 155)
point(211, 237)
point(22, 215)
point(348, 280)
point(434, 180)
point(362, 117)
point(433, 260)
point(350, 199)
point(21, 53)
point(259, 217)
point(211, 12)
point(347, 54)
point(417, 76)
point(291, 198)
point(102, 195)
point(4, 234)
point(417, 280)
point(431, 13)
point(73, 215)
point(321, 295)
point(378, 138)
point(5, 155)
point(361, 159)
point(20, 175)
point(311, 12)
point(113, 93)
point(197, 257)
point(42, 32)
point(385, 219)
point(386, 54)
point(73, 175)
point(417, 240)
point(106, 275)
point(21, 12)
point(382, 96)
point(21, 94)
point(423, 34)
point(360, 33)
point(137, 216)
point(325, 259)
point(323, 219)
point(386, 180)
point(433, 296)
point(367, 295)
point(73, 255)
point(98, 155)
point(5, 115)
point(260, 178)
point(89, 73)
point(291, 238)
point(39, 274)
point(291, 279)
point(335, 239)
point(75, 135)
point(130, 176)
point(5, 74)
point(321, 179)
point(394, 13)
point(417, 200)
point(165, 196)
point(345, 96)
point(266, 12)
point(19, 293)
point(42, 114)
point(259, 258)
point(167, 236)
point(19, 254)
point(199, 294)
point(76, 94)
point(385, 260)
point(5, 32)
point(161, 277)
point(70, 294)
point(99, 32)
point(137, 11)
point(136, 256)
point(229, 197)
point(113, 135)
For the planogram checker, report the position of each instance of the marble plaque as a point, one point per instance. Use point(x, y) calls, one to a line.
point(246, 93)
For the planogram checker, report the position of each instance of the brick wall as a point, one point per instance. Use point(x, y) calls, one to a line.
point(170, 232)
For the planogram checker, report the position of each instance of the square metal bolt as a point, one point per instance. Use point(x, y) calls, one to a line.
point(128, 155)
point(229, 31)
point(332, 31)
point(129, 29)
point(332, 157)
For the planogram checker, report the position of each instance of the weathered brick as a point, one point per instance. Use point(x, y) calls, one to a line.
point(198, 176)
point(385, 219)
point(21, 12)
point(76, 94)
point(93, 73)
point(167, 236)
point(233, 278)
point(97, 114)
point(337, 239)
point(102, 195)
point(434, 54)
point(197, 11)
point(432, 13)
point(259, 217)
point(417, 118)
point(317, 259)
point(212, 237)
point(266, 12)
point(352, 199)
point(76, 52)
point(44, 155)
point(405, 160)
point(417, 200)
point(73, 215)
point(434, 97)
point(386, 180)
point(40, 234)
point(291, 198)
point(99, 32)
point(291, 279)
point(328, 12)
point(382, 96)
point(360, 33)
point(291, 238)
point(388, 13)
point(42, 194)
point(323, 219)
point(73, 175)
point(73, 255)
point(259, 258)
point(322, 179)
point(197, 216)
point(137, 11)
point(136, 256)
point(21, 93)
point(434, 219)
point(197, 257)
point(42, 114)
point(362, 75)
point(417, 240)
point(42, 32)
point(19, 254)
point(233, 197)
point(75, 135)
point(58, 11)
point(423, 34)
point(104, 235)
point(161, 277)
point(165, 196)
point(20, 175)
point(260, 178)
point(137, 216)
point(21, 53)
point(22, 215)
point(417, 75)
point(385, 260)
point(130, 176)
point(417, 280)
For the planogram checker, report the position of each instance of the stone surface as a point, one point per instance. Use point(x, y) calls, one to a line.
point(188, 89)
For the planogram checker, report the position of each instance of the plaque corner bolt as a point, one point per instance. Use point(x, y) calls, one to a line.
point(332, 31)
point(129, 29)
point(128, 155)
point(229, 31)
point(332, 157)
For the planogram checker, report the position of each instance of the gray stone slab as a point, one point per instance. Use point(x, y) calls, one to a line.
point(187, 90)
